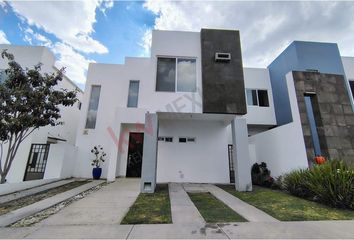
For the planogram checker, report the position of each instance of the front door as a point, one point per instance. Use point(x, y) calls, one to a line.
point(135, 154)
point(37, 161)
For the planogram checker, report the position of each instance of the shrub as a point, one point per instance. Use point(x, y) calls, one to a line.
point(331, 183)
point(261, 175)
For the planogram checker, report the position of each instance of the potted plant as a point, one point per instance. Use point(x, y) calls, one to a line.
point(99, 158)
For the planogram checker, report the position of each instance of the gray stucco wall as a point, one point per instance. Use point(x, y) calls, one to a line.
point(223, 82)
point(333, 114)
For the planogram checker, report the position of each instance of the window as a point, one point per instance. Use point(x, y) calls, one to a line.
point(257, 97)
point(351, 82)
point(133, 94)
point(251, 97)
point(176, 74)
point(191, 139)
point(263, 98)
point(182, 140)
point(93, 107)
point(79, 105)
point(165, 139)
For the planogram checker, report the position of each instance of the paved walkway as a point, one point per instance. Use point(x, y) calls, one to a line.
point(31, 209)
point(106, 206)
point(182, 207)
point(252, 230)
point(246, 210)
point(98, 216)
point(34, 190)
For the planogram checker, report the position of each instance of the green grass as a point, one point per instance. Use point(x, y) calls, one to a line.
point(213, 210)
point(150, 208)
point(286, 207)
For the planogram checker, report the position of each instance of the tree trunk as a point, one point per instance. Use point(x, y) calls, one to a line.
point(3, 179)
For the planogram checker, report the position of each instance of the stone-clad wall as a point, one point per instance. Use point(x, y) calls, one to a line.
point(333, 114)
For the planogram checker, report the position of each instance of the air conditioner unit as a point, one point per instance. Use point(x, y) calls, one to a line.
point(222, 57)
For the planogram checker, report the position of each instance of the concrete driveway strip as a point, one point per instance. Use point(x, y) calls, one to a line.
point(34, 190)
point(182, 207)
point(29, 210)
point(246, 210)
point(108, 205)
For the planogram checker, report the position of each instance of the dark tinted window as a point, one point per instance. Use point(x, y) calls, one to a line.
point(263, 98)
point(166, 74)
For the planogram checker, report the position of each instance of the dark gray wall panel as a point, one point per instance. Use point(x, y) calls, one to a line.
point(223, 82)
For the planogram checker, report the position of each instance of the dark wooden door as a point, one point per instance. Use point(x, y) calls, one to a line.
point(135, 154)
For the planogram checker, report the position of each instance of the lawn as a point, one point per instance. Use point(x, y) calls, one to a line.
point(286, 207)
point(25, 201)
point(213, 210)
point(150, 208)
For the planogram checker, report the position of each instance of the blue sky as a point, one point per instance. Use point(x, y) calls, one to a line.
point(79, 32)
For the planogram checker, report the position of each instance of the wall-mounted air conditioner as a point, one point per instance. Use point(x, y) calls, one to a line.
point(222, 57)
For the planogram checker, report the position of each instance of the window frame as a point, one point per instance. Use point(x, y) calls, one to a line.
point(137, 102)
point(88, 106)
point(257, 89)
point(176, 73)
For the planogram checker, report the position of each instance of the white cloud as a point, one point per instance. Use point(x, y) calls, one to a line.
point(76, 65)
point(266, 28)
point(146, 42)
point(70, 21)
point(3, 38)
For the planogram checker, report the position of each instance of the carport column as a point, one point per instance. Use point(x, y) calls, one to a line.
point(240, 154)
point(148, 171)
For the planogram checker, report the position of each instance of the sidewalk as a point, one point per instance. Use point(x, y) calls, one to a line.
point(106, 206)
point(259, 230)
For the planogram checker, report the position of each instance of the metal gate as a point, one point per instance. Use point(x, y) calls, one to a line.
point(37, 161)
point(231, 163)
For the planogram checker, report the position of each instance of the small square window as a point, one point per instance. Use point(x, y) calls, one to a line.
point(168, 139)
point(161, 139)
point(191, 139)
point(182, 140)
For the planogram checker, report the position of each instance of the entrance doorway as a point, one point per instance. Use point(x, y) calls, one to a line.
point(37, 161)
point(135, 154)
point(231, 163)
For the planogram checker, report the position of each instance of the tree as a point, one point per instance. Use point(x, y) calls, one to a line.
point(28, 100)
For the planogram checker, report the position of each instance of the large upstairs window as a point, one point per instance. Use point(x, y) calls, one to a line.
point(93, 107)
point(176, 74)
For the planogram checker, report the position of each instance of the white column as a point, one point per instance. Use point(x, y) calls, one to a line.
point(113, 156)
point(149, 165)
point(242, 165)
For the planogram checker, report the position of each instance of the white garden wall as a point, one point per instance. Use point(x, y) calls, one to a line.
point(282, 148)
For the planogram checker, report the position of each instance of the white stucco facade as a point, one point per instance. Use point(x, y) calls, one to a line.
point(57, 165)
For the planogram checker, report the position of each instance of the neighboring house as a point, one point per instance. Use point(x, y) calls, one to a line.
point(48, 152)
point(192, 113)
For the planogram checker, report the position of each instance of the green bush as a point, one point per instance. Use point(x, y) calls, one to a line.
point(331, 183)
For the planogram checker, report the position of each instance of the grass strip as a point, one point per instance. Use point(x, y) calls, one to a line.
point(213, 210)
point(150, 208)
point(28, 200)
point(286, 207)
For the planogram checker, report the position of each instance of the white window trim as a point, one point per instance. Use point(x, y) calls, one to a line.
point(176, 75)
point(257, 97)
point(137, 104)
